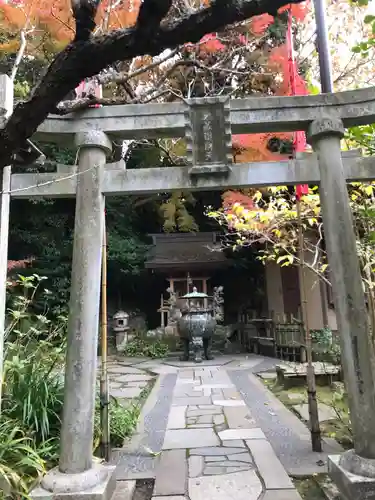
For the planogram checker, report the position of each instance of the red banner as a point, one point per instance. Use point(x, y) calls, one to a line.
point(299, 142)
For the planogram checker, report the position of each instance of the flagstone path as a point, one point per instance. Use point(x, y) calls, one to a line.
point(212, 431)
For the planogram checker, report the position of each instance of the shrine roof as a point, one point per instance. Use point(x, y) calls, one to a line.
point(184, 250)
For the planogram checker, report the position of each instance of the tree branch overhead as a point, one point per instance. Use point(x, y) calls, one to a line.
point(87, 55)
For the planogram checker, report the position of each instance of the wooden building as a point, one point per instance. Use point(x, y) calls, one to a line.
point(186, 260)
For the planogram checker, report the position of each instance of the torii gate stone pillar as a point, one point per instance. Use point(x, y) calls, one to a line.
point(354, 471)
point(77, 476)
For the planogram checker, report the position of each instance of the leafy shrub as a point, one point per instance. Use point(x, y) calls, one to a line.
point(325, 347)
point(122, 422)
point(146, 347)
point(20, 463)
point(34, 357)
point(33, 390)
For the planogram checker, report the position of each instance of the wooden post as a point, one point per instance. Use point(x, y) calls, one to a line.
point(162, 322)
point(316, 441)
point(6, 108)
point(104, 388)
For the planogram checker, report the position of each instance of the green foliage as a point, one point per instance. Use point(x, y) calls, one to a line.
point(123, 420)
point(147, 347)
point(325, 347)
point(21, 466)
point(33, 387)
point(366, 47)
point(362, 137)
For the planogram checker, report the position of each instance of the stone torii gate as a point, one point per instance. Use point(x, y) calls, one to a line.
point(207, 125)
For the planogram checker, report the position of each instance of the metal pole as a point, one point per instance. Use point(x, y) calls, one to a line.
point(325, 63)
point(104, 392)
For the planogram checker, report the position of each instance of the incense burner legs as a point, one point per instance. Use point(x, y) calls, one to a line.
point(199, 344)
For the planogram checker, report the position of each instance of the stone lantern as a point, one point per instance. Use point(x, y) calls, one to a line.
point(197, 325)
point(121, 328)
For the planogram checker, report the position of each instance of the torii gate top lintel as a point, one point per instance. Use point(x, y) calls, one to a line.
point(248, 115)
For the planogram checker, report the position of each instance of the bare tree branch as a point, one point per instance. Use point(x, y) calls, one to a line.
point(86, 58)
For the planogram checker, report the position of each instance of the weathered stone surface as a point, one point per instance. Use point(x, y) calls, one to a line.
point(231, 393)
point(295, 396)
point(229, 402)
point(197, 413)
point(239, 418)
point(104, 490)
point(196, 464)
point(214, 451)
point(351, 486)
point(204, 419)
point(171, 473)
point(229, 434)
point(236, 443)
point(268, 375)
point(213, 386)
point(282, 495)
point(221, 427)
point(199, 426)
point(134, 378)
point(219, 419)
point(242, 457)
point(173, 497)
point(123, 370)
point(325, 412)
point(269, 466)
point(203, 400)
point(185, 380)
point(126, 392)
point(189, 438)
point(140, 384)
point(210, 471)
point(230, 463)
point(215, 459)
point(176, 418)
point(124, 490)
point(239, 485)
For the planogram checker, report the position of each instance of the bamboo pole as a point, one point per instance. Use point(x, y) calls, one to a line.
point(316, 440)
point(104, 389)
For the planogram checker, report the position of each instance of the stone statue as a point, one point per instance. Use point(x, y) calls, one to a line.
point(174, 311)
point(219, 303)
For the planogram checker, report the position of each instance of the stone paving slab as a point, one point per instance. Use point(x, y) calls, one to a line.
point(254, 433)
point(239, 485)
point(126, 392)
point(215, 451)
point(132, 377)
point(124, 490)
point(268, 465)
point(228, 402)
point(239, 418)
point(123, 370)
point(173, 497)
point(203, 400)
point(205, 423)
point(289, 437)
point(186, 438)
point(325, 412)
point(281, 495)
point(171, 473)
point(176, 419)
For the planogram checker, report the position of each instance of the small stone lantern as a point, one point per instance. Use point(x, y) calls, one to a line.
point(121, 328)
